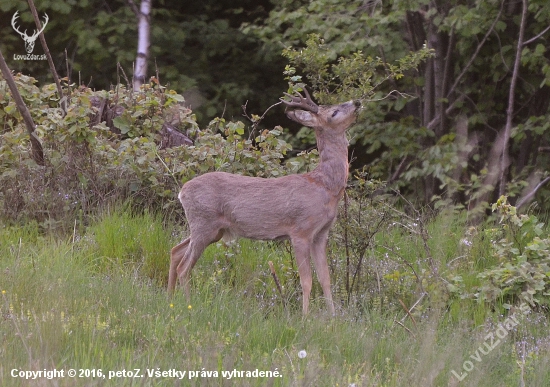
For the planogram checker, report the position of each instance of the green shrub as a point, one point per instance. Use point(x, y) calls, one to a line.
point(520, 244)
point(94, 158)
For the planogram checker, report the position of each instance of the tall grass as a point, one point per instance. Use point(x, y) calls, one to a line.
point(123, 241)
point(89, 302)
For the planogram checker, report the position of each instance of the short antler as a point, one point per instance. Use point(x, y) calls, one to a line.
point(302, 102)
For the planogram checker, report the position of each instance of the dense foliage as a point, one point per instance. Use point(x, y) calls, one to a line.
point(196, 48)
point(476, 126)
point(90, 164)
point(521, 246)
point(466, 127)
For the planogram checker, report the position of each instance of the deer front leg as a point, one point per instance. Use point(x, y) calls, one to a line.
point(319, 255)
point(176, 256)
point(302, 252)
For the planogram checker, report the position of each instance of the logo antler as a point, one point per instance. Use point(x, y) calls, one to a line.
point(29, 40)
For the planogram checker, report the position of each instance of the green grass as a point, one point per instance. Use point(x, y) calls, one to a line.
point(97, 301)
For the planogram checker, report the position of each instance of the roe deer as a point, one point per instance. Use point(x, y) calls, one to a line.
point(301, 207)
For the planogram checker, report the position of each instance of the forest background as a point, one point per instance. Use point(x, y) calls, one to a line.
point(470, 125)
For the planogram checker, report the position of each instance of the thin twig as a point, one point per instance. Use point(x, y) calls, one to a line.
point(407, 329)
point(536, 36)
point(346, 242)
point(277, 283)
point(167, 168)
point(119, 66)
point(504, 157)
point(524, 199)
point(255, 123)
point(369, 239)
point(401, 94)
point(418, 301)
point(74, 234)
point(157, 72)
point(68, 75)
point(423, 234)
point(414, 305)
point(407, 263)
point(408, 311)
point(133, 7)
point(62, 102)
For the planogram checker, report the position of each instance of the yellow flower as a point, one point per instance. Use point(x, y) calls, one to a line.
point(189, 307)
point(171, 305)
point(3, 292)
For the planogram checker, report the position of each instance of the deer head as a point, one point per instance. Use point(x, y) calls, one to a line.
point(29, 40)
point(333, 117)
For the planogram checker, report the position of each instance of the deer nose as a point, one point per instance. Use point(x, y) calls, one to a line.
point(357, 103)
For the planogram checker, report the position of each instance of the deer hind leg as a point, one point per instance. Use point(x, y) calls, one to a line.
point(176, 256)
point(302, 252)
point(319, 255)
point(192, 254)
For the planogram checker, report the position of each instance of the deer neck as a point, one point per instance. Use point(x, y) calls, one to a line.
point(332, 171)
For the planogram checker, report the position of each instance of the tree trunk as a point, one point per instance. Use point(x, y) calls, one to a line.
point(140, 71)
point(36, 147)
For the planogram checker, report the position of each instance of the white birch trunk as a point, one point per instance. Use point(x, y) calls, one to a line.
point(140, 71)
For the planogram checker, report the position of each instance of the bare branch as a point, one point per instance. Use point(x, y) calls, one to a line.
point(36, 147)
point(133, 7)
point(527, 197)
point(256, 122)
point(277, 282)
point(536, 36)
point(408, 311)
point(401, 94)
point(433, 123)
point(407, 329)
point(63, 101)
point(504, 157)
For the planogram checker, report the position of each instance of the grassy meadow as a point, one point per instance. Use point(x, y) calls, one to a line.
point(95, 302)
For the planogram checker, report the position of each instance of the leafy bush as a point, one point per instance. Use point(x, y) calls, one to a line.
point(521, 246)
point(105, 148)
point(524, 255)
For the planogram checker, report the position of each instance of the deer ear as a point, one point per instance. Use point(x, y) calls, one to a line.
point(302, 117)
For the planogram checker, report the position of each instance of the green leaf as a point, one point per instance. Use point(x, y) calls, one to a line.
point(10, 109)
point(400, 104)
point(122, 123)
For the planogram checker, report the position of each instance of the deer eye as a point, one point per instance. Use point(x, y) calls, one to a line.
point(335, 113)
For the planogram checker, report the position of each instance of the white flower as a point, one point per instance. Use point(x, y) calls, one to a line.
point(466, 242)
point(302, 354)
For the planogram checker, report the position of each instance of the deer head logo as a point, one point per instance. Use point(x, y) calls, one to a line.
point(29, 40)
